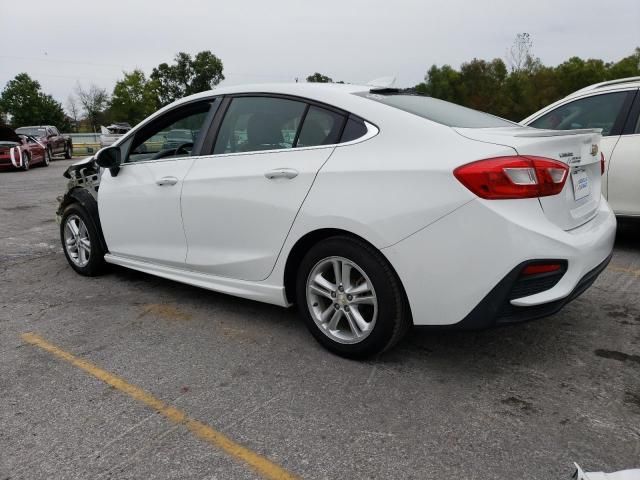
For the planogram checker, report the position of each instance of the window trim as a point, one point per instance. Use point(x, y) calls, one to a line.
point(372, 129)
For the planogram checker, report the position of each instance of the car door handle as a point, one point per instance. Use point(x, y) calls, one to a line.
point(288, 173)
point(167, 181)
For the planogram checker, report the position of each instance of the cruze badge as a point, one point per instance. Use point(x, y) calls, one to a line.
point(594, 149)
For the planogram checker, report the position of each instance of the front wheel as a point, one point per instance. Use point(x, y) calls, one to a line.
point(68, 151)
point(26, 161)
point(46, 158)
point(80, 241)
point(350, 298)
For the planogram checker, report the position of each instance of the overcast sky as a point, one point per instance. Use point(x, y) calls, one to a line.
point(61, 43)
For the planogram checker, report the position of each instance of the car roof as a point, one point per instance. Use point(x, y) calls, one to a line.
point(620, 83)
point(316, 91)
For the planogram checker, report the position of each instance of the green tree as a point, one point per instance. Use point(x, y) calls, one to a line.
point(21, 99)
point(319, 78)
point(627, 67)
point(133, 98)
point(24, 101)
point(186, 76)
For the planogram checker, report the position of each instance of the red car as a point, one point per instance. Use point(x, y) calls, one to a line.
point(21, 151)
point(51, 138)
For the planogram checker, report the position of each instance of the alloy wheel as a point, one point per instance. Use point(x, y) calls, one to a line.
point(341, 300)
point(76, 240)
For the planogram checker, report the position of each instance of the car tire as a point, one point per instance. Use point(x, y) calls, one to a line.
point(49, 149)
point(26, 161)
point(365, 311)
point(46, 160)
point(76, 229)
point(68, 151)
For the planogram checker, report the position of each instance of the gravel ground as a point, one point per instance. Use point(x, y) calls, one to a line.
point(518, 402)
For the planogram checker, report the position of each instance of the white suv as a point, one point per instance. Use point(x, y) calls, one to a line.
point(614, 107)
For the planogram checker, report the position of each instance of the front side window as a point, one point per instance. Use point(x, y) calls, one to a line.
point(171, 136)
point(259, 123)
point(597, 111)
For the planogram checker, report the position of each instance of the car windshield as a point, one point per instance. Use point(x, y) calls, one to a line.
point(439, 111)
point(35, 131)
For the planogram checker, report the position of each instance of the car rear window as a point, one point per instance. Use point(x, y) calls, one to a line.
point(439, 111)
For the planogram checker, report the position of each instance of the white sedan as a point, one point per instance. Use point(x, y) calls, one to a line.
point(614, 107)
point(371, 209)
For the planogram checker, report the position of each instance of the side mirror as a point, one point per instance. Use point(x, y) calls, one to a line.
point(109, 158)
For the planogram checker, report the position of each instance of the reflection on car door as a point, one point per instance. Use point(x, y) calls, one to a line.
point(238, 205)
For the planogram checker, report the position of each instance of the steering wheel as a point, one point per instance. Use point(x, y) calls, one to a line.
point(171, 152)
point(183, 148)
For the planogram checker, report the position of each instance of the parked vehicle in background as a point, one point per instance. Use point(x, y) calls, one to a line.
point(51, 138)
point(382, 210)
point(112, 133)
point(177, 137)
point(614, 107)
point(21, 151)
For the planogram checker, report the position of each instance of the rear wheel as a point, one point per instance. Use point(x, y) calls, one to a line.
point(80, 241)
point(350, 298)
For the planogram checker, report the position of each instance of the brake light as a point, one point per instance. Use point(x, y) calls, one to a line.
point(602, 163)
point(513, 177)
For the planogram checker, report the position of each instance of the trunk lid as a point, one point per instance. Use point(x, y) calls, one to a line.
point(579, 149)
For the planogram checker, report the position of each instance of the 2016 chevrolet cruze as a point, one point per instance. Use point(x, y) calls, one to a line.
point(371, 209)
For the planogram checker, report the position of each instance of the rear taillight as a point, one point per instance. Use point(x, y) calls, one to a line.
point(602, 166)
point(513, 177)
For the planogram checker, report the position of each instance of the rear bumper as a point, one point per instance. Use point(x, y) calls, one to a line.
point(463, 268)
point(497, 308)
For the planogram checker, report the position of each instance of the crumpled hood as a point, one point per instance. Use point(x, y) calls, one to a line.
point(8, 135)
point(84, 163)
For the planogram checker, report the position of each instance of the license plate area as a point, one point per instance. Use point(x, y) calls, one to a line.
point(581, 185)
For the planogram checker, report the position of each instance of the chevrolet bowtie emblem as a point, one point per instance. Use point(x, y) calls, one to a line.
point(594, 149)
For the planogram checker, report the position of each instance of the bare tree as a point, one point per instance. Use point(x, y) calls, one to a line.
point(94, 101)
point(519, 55)
point(74, 109)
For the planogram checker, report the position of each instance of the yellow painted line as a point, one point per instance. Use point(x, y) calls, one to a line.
point(630, 271)
point(260, 464)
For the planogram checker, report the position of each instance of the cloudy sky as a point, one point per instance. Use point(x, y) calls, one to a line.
point(61, 43)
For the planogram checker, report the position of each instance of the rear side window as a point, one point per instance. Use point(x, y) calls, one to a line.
point(320, 127)
point(439, 111)
point(259, 123)
point(354, 129)
point(598, 111)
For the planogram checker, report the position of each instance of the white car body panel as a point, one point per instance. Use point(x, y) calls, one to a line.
point(224, 226)
point(623, 176)
point(141, 219)
point(235, 218)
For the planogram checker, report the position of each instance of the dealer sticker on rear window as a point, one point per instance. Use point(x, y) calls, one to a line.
point(580, 181)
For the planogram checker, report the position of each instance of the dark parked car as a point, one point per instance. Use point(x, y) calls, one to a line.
point(55, 143)
point(21, 151)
